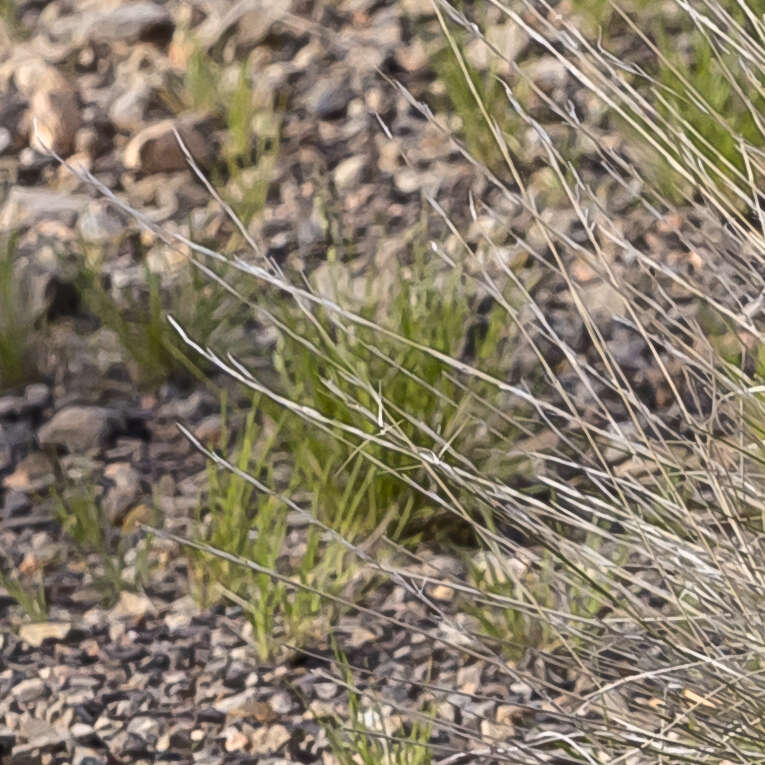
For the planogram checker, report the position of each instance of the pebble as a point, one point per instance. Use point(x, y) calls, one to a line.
point(36, 633)
point(328, 99)
point(54, 109)
point(33, 473)
point(124, 491)
point(29, 690)
point(128, 109)
point(349, 172)
point(155, 149)
point(78, 428)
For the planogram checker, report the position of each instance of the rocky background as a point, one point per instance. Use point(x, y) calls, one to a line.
point(286, 106)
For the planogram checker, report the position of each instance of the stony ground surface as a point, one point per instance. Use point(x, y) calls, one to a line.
point(151, 676)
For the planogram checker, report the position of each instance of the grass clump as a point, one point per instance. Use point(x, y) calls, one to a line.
point(251, 121)
point(31, 598)
point(353, 378)
point(244, 514)
point(17, 364)
point(139, 320)
point(119, 565)
point(371, 736)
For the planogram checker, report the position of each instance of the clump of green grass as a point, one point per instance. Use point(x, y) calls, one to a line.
point(17, 363)
point(244, 514)
point(139, 319)
point(355, 376)
point(250, 144)
point(124, 565)
point(466, 90)
point(31, 598)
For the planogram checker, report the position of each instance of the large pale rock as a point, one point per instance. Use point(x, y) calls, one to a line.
point(77, 428)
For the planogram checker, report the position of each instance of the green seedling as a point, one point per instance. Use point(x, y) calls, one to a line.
point(32, 601)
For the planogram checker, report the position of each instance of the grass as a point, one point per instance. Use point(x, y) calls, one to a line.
point(706, 94)
point(119, 563)
point(251, 525)
point(252, 123)
point(17, 359)
point(139, 317)
point(635, 615)
point(32, 600)
point(140, 321)
point(370, 736)
point(465, 88)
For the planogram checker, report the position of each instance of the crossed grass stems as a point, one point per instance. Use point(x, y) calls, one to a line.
point(631, 603)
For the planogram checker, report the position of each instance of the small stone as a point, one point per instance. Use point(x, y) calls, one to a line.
point(122, 494)
point(36, 633)
point(77, 428)
point(15, 504)
point(33, 473)
point(85, 756)
point(496, 732)
point(325, 691)
point(155, 149)
point(360, 636)
point(129, 108)
point(349, 172)
point(329, 99)
point(37, 395)
point(210, 429)
point(26, 206)
point(417, 8)
point(254, 26)
point(81, 730)
point(235, 675)
point(235, 740)
point(442, 592)
point(281, 703)
point(29, 690)
point(99, 223)
point(230, 704)
point(145, 727)
point(55, 113)
point(11, 406)
point(12, 109)
point(269, 739)
point(263, 712)
point(132, 606)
